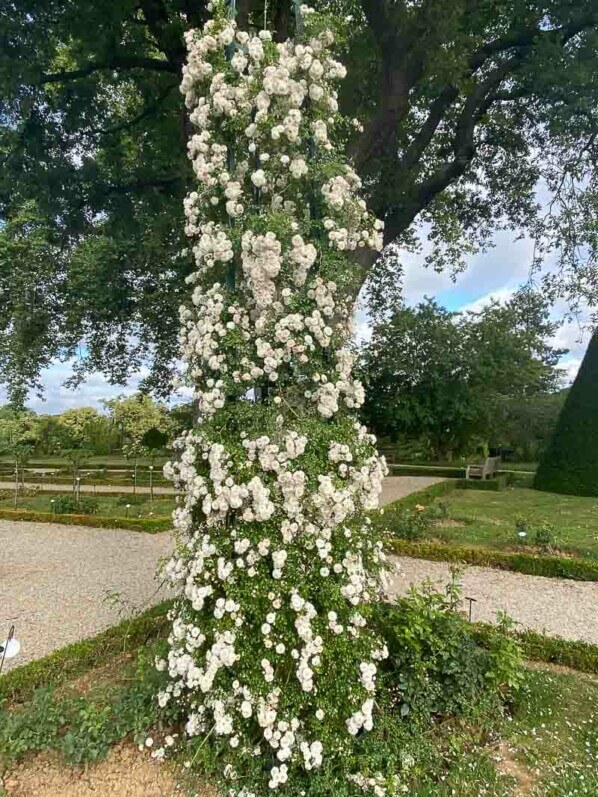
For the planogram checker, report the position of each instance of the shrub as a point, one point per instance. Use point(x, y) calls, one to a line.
point(69, 505)
point(546, 536)
point(133, 500)
point(436, 664)
point(412, 523)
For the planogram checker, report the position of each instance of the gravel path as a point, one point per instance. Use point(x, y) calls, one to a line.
point(558, 607)
point(396, 487)
point(54, 581)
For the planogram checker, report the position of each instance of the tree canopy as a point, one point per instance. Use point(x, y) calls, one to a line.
point(446, 378)
point(476, 116)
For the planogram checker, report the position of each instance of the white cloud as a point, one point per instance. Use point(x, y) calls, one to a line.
point(501, 295)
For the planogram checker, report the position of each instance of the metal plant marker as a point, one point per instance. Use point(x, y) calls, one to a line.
point(471, 602)
point(9, 648)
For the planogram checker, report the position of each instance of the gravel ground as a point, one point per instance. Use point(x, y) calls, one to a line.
point(396, 487)
point(558, 607)
point(54, 582)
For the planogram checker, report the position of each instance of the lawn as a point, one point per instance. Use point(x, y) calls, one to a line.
point(495, 518)
point(108, 506)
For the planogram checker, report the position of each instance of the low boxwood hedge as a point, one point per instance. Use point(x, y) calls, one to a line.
point(500, 482)
point(147, 525)
point(531, 564)
point(73, 660)
point(442, 471)
point(552, 650)
point(70, 662)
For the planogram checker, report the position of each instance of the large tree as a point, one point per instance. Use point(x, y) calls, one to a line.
point(445, 379)
point(472, 112)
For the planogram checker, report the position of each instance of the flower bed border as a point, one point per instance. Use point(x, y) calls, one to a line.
point(62, 665)
point(19, 684)
point(145, 525)
point(530, 564)
point(519, 562)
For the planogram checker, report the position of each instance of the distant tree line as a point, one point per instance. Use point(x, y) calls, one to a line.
point(136, 426)
point(441, 384)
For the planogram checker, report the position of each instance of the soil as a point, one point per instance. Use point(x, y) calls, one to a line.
point(507, 764)
point(125, 773)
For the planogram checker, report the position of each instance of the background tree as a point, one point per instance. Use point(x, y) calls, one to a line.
point(443, 377)
point(144, 426)
point(18, 427)
point(136, 416)
point(83, 427)
point(570, 463)
point(526, 423)
point(467, 109)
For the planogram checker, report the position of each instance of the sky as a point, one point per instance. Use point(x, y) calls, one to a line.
point(496, 273)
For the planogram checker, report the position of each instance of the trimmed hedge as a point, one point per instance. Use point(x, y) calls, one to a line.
point(33, 479)
point(570, 463)
point(73, 660)
point(553, 650)
point(531, 564)
point(442, 471)
point(498, 483)
point(147, 525)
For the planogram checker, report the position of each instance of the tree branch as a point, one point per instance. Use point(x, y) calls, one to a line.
point(525, 37)
point(147, 111)
point(155, 14)
point(476, 105)
point(161, 183)
point(400, 71)
point(117, 63)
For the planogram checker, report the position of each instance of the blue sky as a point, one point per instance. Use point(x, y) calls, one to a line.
point(496, 273)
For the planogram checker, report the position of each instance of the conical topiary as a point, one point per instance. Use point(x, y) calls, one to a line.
point(570, 463)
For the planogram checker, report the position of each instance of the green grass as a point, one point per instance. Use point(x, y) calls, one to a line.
point(109, 506)
point(554, 734)
point(489, 518)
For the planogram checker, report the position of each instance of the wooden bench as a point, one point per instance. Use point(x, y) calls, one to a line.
point(488, 470)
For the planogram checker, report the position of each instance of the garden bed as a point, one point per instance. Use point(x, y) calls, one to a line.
point(518, 529)
point(96, 694)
